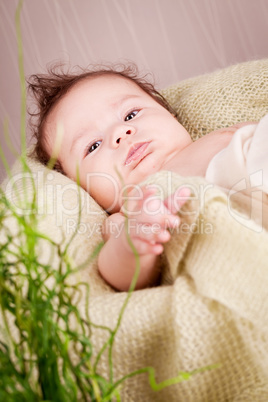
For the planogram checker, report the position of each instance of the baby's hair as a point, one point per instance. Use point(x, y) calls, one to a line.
point(47, 89)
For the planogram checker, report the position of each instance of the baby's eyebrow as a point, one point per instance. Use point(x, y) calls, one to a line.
point(124, 99)
point(79, 137)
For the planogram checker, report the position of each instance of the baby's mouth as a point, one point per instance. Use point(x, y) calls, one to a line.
point(136, 152)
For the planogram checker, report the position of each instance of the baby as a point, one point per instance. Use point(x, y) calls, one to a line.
point(117, 130)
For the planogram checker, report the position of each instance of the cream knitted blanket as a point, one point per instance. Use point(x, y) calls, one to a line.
point(213, 305)
point(215, 311)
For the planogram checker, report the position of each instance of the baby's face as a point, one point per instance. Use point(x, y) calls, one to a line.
point(115, 134)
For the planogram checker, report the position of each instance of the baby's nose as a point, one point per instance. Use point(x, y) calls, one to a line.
point(127, 132)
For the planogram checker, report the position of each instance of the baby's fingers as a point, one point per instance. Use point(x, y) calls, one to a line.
point(134, 201)
point(143, 247)
point(175, 201)
point(151, 233)
point(156, 214)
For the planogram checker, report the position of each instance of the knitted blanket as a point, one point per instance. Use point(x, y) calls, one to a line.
point(212, 307)
point(214, 311)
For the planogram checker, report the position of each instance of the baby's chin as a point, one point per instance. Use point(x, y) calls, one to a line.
point(144, 170)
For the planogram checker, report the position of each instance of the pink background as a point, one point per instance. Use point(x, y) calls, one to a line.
point(174, 39)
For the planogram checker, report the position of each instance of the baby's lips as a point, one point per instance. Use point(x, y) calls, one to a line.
point(136, 151)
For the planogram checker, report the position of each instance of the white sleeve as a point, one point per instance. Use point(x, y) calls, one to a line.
point(244, 162)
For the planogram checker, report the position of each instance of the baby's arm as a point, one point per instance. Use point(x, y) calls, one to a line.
point(146, 228)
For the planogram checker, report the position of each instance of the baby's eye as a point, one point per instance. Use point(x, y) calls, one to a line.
point(92, 147)
point(131, 115)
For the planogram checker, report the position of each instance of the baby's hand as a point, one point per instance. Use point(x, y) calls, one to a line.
point(149, 218)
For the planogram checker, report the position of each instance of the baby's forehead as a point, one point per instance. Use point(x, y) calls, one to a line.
point(110, 87)
point(113, 79)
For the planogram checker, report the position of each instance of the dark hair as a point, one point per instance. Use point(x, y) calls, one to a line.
point(47, 89)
